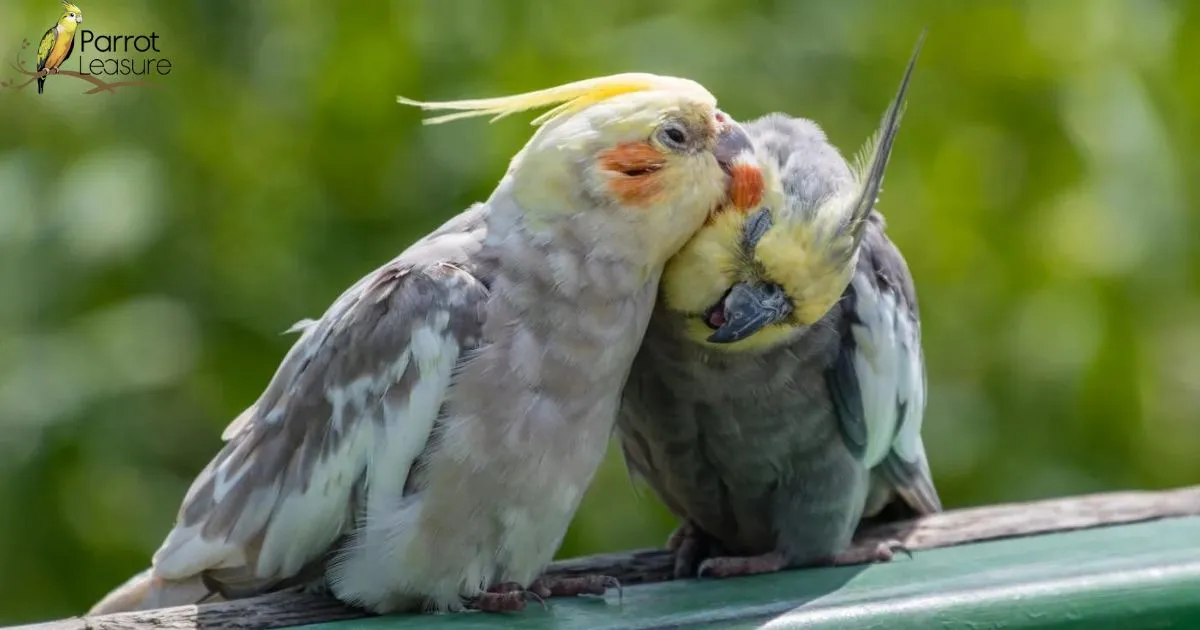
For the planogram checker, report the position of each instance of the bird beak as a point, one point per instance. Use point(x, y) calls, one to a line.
point(735, 155)
point(749, 308)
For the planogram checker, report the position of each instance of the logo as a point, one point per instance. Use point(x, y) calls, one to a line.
point(99, 60)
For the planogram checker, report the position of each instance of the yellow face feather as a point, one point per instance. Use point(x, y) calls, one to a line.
point(806, 259)
point(566, 99)
point(810, 269)
point(796, 261)
point(706, 267)
point(700, 274)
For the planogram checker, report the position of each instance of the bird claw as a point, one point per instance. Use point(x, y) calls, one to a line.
point(612, 582)
point(890, 548)
point(574, 586)
point(505, 597)
point(885, 551)
point(690, 546)
point(538, 598)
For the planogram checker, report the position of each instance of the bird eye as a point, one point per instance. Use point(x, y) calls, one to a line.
point(674, 136)
point(71, 15)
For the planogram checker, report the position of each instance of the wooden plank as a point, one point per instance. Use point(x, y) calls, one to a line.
point(952, 528)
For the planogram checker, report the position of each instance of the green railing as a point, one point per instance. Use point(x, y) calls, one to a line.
point(1126, 561)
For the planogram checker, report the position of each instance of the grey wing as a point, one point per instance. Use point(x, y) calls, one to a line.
point(878, 381)
point(349, 410)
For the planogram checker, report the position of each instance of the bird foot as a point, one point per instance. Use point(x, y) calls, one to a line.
point(690, 546)
point(574, 586)
point(512, 597)
point(885, 551)
point(731, 566)
point(504, 597)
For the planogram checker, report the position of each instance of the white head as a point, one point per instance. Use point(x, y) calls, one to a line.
point(642, 158)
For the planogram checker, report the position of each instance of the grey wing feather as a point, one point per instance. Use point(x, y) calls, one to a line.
point(338, 422)
point(878, 381)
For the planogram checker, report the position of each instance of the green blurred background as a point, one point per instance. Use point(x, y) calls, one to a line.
point(155, 242)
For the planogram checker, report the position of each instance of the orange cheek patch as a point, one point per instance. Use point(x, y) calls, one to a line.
point(636, 191)
point(746, 190)
point(745, 187)
point(634, 167)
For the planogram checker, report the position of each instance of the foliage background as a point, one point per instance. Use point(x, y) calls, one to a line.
point(155, 242)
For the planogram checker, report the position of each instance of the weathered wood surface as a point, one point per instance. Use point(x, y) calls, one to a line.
point(948, 529)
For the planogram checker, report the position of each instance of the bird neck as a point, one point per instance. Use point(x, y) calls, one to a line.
point(571, 252)
point(563, 322)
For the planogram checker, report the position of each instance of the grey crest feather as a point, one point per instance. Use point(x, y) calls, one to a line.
point(872, 162)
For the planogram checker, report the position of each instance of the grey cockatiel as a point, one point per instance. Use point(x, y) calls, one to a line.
point(779, 393)
point(427, 440)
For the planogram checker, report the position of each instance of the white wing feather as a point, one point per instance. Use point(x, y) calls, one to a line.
point(337, 431)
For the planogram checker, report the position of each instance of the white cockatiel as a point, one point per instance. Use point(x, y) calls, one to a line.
point(425, 443)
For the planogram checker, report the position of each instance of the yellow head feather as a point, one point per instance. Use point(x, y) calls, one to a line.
point(568, 99)
point(70, 7)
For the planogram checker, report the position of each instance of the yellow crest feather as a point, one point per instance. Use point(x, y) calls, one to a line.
point(70, 7)
point(567, 99)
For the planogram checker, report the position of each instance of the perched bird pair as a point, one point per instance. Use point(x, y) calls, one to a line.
point(426, 441)
point(779, 392)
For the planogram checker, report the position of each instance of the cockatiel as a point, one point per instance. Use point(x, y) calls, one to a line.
point(779, 392)
point(425, 443)
point(58, 42)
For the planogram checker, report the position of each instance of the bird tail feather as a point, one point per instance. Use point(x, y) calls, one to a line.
point(145, 591)
point(913, 482)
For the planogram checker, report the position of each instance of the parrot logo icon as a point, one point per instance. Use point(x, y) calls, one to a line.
point(57, 43)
